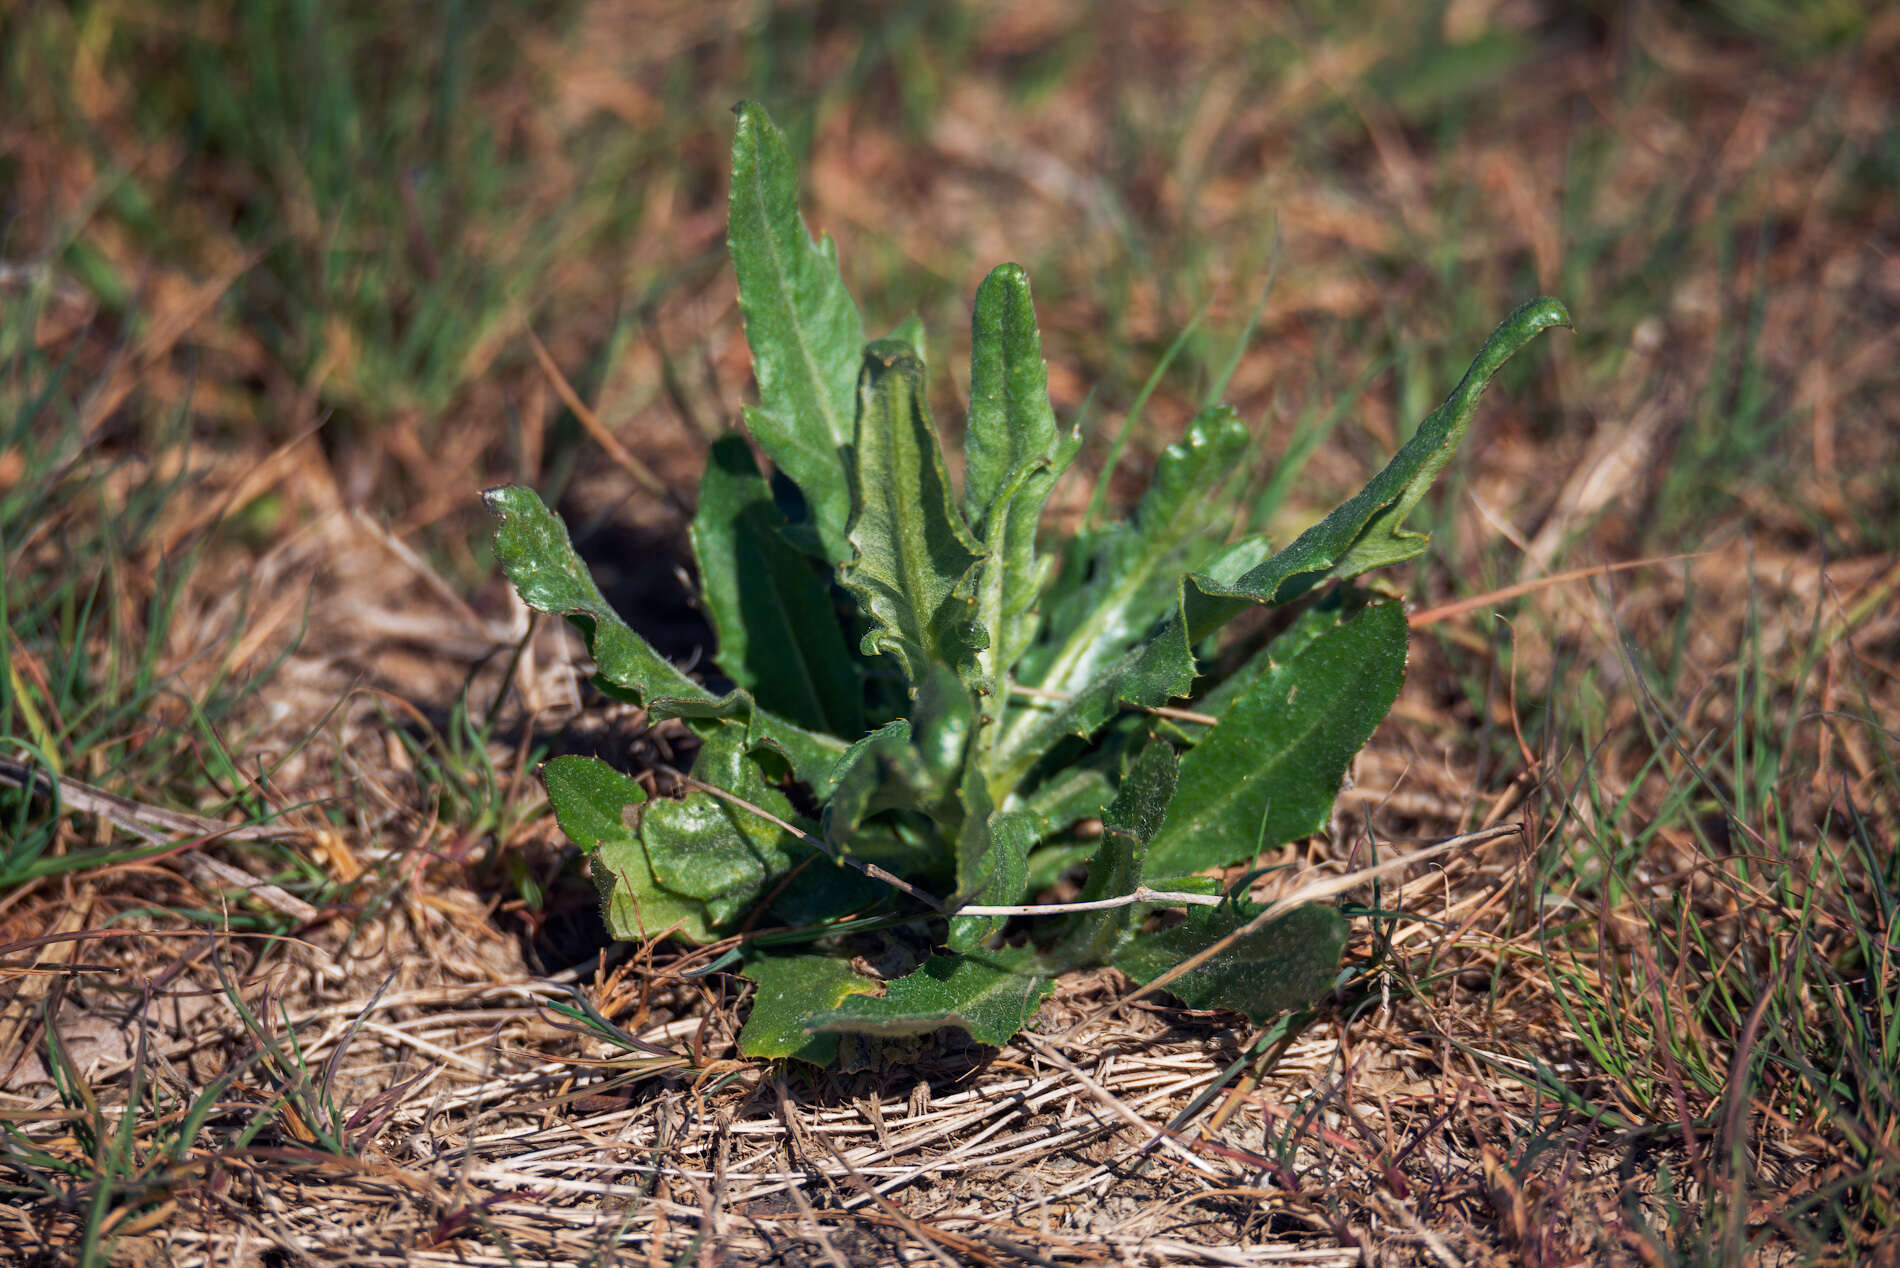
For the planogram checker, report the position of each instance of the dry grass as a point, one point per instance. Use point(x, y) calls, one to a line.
point(319, 1026)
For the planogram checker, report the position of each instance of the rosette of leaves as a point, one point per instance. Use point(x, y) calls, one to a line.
point(927, 711)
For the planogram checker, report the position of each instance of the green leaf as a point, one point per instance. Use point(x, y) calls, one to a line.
point(991, 995)
point(992, 869)
point(912, 548)
point(1075, 792)
point(590, 801)
point(791, 990)
point(1367, 531)
point(802, 324)
point(1132, 581)
point(1268, 773)
point(810, 755)
point(534, 549)
point(778, 633)
point(1121, 858)
point(1362, 531)
point(861, 784)
point(1286, 964)
point(711, 850)
point(1013, 458)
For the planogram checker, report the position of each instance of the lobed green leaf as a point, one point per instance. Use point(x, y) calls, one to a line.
point(550, 577)
point(533, 545)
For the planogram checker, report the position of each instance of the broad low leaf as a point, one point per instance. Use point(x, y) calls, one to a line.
point(803, 327)
point(1013, 458)
point(1286, 964)
point(534, 549)
point(791, 989)
point(1121, 858)
point(772, 610)
point(590, 801)
point(990, 995)
point(1268, 773)
point(912, 550)
point(711, 850)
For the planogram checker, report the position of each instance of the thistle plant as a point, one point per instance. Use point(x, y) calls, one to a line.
point(939, 712)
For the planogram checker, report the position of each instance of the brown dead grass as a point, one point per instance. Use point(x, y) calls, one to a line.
point(484, 1130)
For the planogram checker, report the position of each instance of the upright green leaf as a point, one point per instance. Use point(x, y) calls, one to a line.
point(1131, 579)
point(1011, 423)
point(1120, 859)
point(1268, 773)
point(912, 549)
point(1367, 531)
point(990, 995)
point(1363, 532)
point(1286, 964)
point(1013, 458)
point(772, 610)
point(801, 322)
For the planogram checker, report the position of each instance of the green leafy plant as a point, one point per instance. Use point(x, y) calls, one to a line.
point(931, 722)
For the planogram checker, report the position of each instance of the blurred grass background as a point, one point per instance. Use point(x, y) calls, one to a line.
point(268, 273)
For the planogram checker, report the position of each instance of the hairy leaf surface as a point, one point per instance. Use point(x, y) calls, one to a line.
point(990, 995)
point(1013, 457)
point(912, 550)
point(1285, 964)
point(1268, 773)
point(791, 989)
point(801, 322)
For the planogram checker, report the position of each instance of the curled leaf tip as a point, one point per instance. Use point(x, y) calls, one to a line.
point(1542, 313)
